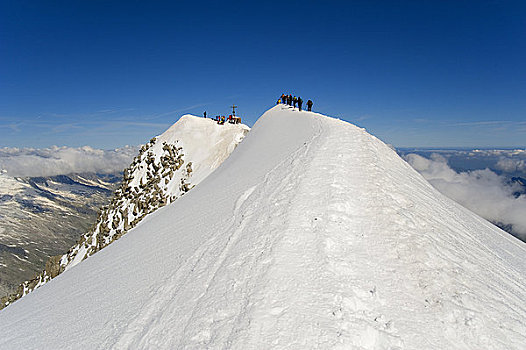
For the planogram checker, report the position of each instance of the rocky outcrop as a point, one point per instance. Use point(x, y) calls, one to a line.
point(159, 175)
point(53, 267)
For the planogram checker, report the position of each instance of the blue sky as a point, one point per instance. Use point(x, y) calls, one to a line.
point(111, 73)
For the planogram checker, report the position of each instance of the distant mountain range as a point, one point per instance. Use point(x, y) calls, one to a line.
point(44, 216)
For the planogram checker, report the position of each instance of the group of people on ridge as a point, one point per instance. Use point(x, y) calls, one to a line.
point(220, 119)
point(293, 101)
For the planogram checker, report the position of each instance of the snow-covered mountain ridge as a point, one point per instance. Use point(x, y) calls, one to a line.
point(313, 234)
point(167, 167)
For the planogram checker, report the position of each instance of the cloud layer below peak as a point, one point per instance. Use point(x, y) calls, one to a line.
point(64, 160)
point(483, 191)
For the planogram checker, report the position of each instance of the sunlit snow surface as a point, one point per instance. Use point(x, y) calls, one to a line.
point(312, 235)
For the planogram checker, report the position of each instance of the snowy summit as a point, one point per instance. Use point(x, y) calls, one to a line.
point(167, 167)
point(313, 234)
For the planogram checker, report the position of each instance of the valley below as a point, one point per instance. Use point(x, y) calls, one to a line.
point(44, 216)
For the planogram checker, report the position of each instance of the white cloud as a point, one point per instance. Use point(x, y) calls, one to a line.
point(482, 191)
point(64, 160)
point(510, 165)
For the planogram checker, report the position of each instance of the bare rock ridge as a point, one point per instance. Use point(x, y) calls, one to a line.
point(157, 176)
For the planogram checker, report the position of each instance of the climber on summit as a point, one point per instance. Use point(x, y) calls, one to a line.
point(300, 102)
point(309, 105)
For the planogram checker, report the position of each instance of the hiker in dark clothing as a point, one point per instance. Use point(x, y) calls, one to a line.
point(204, 114)
point(300, 102)
point(294, 101)
point(309, 105)
point(289, 100)
point(284, 99)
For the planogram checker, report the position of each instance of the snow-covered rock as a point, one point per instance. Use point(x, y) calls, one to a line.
point(166, 168)
point(313, 234)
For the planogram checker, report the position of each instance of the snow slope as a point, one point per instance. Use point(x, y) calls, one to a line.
point(313, 234)
point(167, 167)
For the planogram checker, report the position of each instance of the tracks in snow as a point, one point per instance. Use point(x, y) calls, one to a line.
point(339, 264)
point(229, 266)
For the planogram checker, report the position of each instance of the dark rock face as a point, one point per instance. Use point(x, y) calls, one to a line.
point(14, 250)
point(5, 197)
point(53, 268)
point(521, 183)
